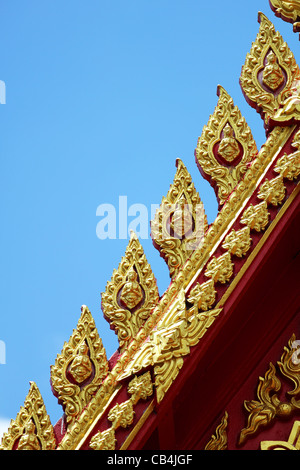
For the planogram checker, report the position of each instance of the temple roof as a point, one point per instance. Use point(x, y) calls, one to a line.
point(106, 402)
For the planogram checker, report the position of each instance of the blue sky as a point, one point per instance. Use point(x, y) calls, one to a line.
point(101, 98)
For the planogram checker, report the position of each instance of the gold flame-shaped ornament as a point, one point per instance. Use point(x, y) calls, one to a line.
point(225, 147)
point(32, 429)
point(180, 222)
point(269, 73)
point(131, 295)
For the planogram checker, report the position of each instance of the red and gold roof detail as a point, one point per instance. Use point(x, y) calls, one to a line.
point(213, 363)
point(288, 10)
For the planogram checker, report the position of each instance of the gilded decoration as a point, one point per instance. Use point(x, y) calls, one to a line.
point(122, 414)
point(180, 222)
point(131, 294)
point(169, 342)
point(80, 368)
point(293, 442)
point(256, 217)
point(219, 440)
point(269, 72)
point(269, 406)
point(202, 297)
point(272, 191)
point(220, 269)
point(238, 243)
point(225, 147)
point(288, 166)
point(288, 10)
point(32, 429)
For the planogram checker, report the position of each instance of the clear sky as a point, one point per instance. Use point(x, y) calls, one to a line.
point(101, 98)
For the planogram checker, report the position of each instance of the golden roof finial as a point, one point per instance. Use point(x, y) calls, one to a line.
point(80, 368)
point(32, 429)
point(180, 222)
point(225, 147)
point(131, 294)
point(269, 73)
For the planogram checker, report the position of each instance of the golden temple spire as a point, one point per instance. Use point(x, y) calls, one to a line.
point(32, 429)
point(80, 368)
point(269, 73)
point(131, 294)
point(225, 147)
point(180, 222)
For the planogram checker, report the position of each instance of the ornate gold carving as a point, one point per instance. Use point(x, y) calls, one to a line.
point(80, 368)
point(180, 222)
point(293, 442)
point(121, 415)
point(288, 166)
point(272, 75)
point(269, 72)
point(172, 339)
point(263, 411)
point(219, 441)
point(272, 191)
point(104, 440)
point(202, 297)
point(131, 294)
point(32, 429)
point(225, 147)
point(140, 388)
point(288, 10)
point(256, 217)
point(138, 351)
point(238, 243)
point(220, 269)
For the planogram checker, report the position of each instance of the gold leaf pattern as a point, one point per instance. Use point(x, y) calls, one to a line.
point(256, 217)
point(272, 191)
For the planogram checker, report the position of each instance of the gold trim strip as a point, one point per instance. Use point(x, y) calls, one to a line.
point(95, 421)
point(138, 426)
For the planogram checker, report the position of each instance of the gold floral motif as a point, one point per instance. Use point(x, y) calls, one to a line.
point(80, 368)
point(238, 243)
point(263, 411)
point(269, 72)
point(202, 297)
point(178, 227)
point(32, 429)
point(140, 388)
point(288, 166)
point(256, 217)
point(226, 135)
point(121, 415)
point(272, 191)
point(104, 440)
point(293, 442)
point(219, 441)
point(220, 269)
point(131, 294)
point(288, 10)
